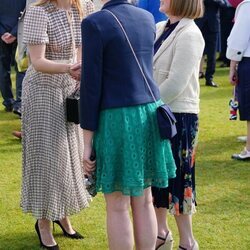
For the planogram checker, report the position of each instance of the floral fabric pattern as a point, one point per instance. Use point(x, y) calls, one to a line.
point(180, 196)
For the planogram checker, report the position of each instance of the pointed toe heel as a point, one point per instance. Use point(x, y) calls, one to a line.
point(76, 235)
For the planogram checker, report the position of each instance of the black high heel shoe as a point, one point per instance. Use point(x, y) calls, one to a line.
point(55, 247)
point(76, 235)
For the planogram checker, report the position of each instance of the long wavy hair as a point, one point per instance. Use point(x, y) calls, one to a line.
point(76, 3)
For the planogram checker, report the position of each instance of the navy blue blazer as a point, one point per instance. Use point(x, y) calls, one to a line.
point(110, 76)
point(9, 14)
point(211, 16)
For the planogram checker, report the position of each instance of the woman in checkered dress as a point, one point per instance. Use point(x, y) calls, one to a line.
point(52, 178)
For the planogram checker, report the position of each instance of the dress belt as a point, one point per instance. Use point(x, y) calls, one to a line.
point(63, 61)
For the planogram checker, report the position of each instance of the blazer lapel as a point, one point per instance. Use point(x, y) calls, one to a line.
point(183, 23)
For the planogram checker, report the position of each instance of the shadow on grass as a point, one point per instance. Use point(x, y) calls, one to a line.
point(11, 142)
point(235, 201)
point(23, 240)
point(20, 241)
point(8, 116)
point(12, 145)
point(215, 95)
point(214, 146)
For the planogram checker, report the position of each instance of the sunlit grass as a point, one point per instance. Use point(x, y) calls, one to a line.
point(222, 221)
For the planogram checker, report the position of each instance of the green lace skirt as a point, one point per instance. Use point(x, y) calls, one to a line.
point(130, 155)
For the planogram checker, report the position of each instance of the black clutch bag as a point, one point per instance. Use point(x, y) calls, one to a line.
point(73, 108)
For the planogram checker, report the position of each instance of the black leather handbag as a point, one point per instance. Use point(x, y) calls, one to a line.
point(73, 107)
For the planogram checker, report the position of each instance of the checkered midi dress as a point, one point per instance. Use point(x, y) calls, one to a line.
point(52, 178)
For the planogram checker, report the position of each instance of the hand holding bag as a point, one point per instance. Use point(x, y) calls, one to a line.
point(165, 117)
point(90, 181)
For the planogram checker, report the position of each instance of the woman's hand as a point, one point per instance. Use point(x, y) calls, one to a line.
point(233, 75)
point(75, 71)
point(8, 38)
point(89, 164)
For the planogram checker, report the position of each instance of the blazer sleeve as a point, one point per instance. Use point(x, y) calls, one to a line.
point(189, 46)
point(91, 80)
point(239, 38)
point(21, 8)
point(13, 32)
point(2, 29)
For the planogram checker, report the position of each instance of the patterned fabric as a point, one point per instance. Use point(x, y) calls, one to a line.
point(130, 154)
point(52, 184)
point(180, 196)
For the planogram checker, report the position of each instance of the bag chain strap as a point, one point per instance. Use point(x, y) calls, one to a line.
point(131, 47)
point(69, 16)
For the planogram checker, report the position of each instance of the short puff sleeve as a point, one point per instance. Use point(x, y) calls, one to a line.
point(35, 26)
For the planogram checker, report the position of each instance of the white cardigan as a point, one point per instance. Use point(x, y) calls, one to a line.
point(239, 40)
point(176, 66)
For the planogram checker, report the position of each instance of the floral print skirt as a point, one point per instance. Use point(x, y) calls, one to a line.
point(180, 196)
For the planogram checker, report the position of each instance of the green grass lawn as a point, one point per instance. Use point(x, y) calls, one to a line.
point(222, 221)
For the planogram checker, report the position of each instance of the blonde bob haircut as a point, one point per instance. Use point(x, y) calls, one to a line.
point(186, 8)
point(76, 3)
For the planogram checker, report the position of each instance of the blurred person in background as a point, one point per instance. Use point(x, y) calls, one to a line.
point(234, 3)
point(10, 11)
point(21, 55)
point(238, 52)
point(209, 25)
point(153, 8)
point(226, 25)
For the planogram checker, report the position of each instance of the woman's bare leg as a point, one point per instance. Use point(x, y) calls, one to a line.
point(163, 228)
point(184, 224)
point(45, 232)
point(119, 228)
point(144, 221)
